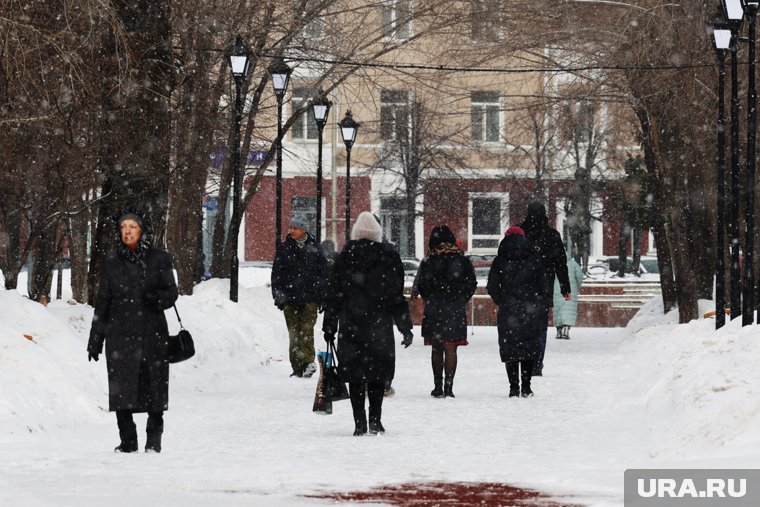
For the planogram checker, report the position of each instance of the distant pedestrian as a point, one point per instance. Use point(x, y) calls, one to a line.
point(136, 286)
point(446, 284)
point(517, 284)
point(299, 281)
point(547, 246)
point(566, 312)
point(365, 299)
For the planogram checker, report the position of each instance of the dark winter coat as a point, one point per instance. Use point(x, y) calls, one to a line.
point(516, 284)
point(365, 299)
point(446, 283)
point(134, 291)
point(299, 273)
point(547, 245)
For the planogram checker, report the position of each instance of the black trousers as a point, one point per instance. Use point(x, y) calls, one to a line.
point(128, 430)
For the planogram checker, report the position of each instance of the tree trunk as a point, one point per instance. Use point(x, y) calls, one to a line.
point(78, 227)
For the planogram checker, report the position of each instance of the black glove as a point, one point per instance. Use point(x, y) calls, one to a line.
point(280, 306)
point(408, 337)
point(321, 308)
point(151, 299)
point(93, 356)
point(329, 337)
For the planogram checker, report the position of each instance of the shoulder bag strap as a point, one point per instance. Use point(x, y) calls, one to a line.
point(178, 318)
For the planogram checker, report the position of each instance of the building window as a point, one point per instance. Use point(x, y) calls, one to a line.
point(313, 27)
point(488, 217)
point(393, 221)
point(306, 207)
point(396, 19)
point(394, 114)
point(579, 119)
point(486, 116)
point(484, 20)
point(305, 126)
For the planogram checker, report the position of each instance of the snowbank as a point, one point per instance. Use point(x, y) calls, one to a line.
point(700, 387)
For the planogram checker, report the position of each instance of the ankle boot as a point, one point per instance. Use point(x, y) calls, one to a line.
point(437, 391)
point(513, 374)
point(127, 432)
point(448, 385)
point(360, 427)
point(375, 395)
point(566, 332)
point(559, 333)
point(154, 430)
point(525, 390)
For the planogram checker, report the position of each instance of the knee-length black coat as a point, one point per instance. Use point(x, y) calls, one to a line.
point(516, 283)
point(446, 282)
point(365, 299)
point(134, 291)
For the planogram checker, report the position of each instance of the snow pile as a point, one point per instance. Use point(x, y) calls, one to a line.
point(46, 383)
point(49, 383)
point(701, 387)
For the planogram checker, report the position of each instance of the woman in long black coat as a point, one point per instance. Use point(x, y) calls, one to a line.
point(365, 299)
point(446, 283)
point(136, 286)
point(516, 283)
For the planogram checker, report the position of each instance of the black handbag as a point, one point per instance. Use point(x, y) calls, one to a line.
point(181, 346)
point(335, 385)
point(329, 385)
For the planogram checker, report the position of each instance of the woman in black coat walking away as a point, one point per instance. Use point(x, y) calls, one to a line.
point(516, 283)
point(365, 299)
point(446, 283)
point(136, 286)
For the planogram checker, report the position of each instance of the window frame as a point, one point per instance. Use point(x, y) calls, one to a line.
point(390, 28)
point(503, 197)
point(306, 124)
point(394, 108)
point(483, 107)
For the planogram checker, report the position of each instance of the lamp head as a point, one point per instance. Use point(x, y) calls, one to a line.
point(320, 107)
point(280, 72)
point(240, 60)
point(348, 128)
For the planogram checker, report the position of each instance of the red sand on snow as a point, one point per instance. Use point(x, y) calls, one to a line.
point(484, 494)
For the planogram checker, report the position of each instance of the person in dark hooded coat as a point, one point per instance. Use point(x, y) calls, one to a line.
point(446, 283)
point(547, 245)
point(365, 299)
point(516, 283)
point(136, 286)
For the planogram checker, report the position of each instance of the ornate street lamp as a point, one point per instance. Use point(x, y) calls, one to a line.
point(733, 14)
point(240, 62)
point(320, 107)
point(722, 37)
point(280, 73)
point(348, 129)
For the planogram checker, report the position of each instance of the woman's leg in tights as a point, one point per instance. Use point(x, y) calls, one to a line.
point(450, 366)
point(436, 359)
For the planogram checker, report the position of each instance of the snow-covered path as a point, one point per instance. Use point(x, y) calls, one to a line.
point(248, 436)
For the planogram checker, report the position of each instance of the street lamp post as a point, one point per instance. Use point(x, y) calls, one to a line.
point(722, 41)
point(320, 107)
point(240, 62)
point(348, 129)
point(280, 72)
point(733, 13)
point(748, 300)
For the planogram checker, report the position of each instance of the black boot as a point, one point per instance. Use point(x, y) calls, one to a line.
point(513, 374)
point(526, 367)
point(154, 430)
point(375, 395)
point(448, 385)
point(356, 391)
point(559, 333)
point(127, 432)
point(437, 391)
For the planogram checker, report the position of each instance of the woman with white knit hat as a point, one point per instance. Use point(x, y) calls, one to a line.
point(365, 299)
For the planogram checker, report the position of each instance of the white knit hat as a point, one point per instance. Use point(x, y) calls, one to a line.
point(366, 227)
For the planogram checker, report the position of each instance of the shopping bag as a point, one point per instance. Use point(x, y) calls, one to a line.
point(322, 398)
point(335, 385)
